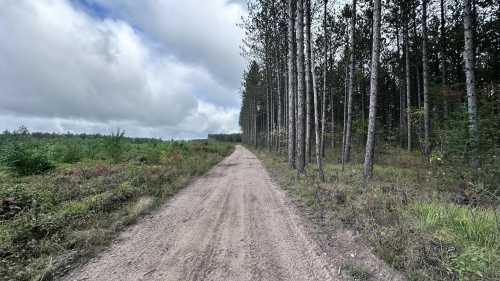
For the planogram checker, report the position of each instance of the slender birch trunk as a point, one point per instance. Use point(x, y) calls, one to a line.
point(316, 127)
point(471, 86)
point(308, 78)
point(291, 80)
point(300, 161)
point(278, 75)
point(325, 70)
point(425, 67)
point(417, 66)
point(332, 97)
point(350, 88)
point(401, 90)
point(408, 81)
point(346, 77)
point(345, 112)
point(370, 141)
point(444, 84)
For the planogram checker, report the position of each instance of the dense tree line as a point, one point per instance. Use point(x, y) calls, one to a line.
point(420, 74)
point(225, 137)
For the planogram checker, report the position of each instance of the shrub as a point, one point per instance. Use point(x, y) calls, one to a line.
point(69, 153)
point(150, 154)
point(114, 146)
point(21, 160)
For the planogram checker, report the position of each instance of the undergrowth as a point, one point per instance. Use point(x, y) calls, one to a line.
point(415, 216)
point(52, 218)
point(475, 231)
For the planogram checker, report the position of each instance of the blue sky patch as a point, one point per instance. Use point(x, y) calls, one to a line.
point(92, 8)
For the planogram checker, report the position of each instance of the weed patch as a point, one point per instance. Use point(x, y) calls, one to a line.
point(50, 221)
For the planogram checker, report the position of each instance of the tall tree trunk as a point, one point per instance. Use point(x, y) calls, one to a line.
point(278, 75)
point(270, 112)
point(255, 143)
point(370, 140)
point(425, 67)
point(352, 65)
point(268, 101)
point(291, 80)
point(471, 86)
point(363, 115)
point(285, 102)
point(308, 78)
point(325, 70)
point(417, 65)
point(332, 104)
point(300, 89)
point(419, 86)
point(444, 84)
point(401, 90)
point(316, 128)
point(346, 77)
point(408, 81)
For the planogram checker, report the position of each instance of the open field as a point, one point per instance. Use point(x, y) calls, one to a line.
point(63, 198)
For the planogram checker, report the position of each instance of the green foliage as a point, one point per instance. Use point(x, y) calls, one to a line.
point(225, 137)
point(85, 201)
point(67, 153)
point(475, 233)
point(452, 150)
point(359, 126)
point(115, 146)
point(24, 160)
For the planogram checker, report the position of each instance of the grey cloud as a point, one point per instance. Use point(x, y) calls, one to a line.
point(57, 62)
point(200, 32)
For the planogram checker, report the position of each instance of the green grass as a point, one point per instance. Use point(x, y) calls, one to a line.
point(55, 218)
point(475, 233)
point(424, 241)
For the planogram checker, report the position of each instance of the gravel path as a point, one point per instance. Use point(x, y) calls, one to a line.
point(232, 224)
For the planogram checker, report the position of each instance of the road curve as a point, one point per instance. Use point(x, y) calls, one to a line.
point(232, 224)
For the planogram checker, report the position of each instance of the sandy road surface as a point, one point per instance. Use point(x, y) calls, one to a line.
point(232, 224)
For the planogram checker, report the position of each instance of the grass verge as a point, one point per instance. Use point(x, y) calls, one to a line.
point(407, 215)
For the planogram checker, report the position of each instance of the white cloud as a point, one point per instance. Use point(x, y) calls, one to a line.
point(199, 31)
point(76, 72)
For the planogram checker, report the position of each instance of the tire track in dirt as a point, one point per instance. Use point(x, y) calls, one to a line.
point(232, 224)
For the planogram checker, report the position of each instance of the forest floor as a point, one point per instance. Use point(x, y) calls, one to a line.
point(415, 217)
point(232, 224)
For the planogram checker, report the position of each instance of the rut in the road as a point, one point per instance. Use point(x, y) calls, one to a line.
point(232, 224)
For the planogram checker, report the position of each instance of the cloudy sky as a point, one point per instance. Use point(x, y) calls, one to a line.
point(155, 68)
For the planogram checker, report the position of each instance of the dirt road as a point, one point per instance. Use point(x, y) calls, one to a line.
point(232, 224)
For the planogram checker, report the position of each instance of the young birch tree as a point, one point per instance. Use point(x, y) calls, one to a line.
point(291, 87)
point(300, 161)
point(471, 86)
point(425, 75)
point(350, 86)
point(307, 10)
point(370, 140)
point(325, 70)
point(408, 75)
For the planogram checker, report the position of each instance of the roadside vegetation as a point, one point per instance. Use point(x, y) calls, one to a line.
point(424, 224)
point(384, 116)
point(62, 198)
